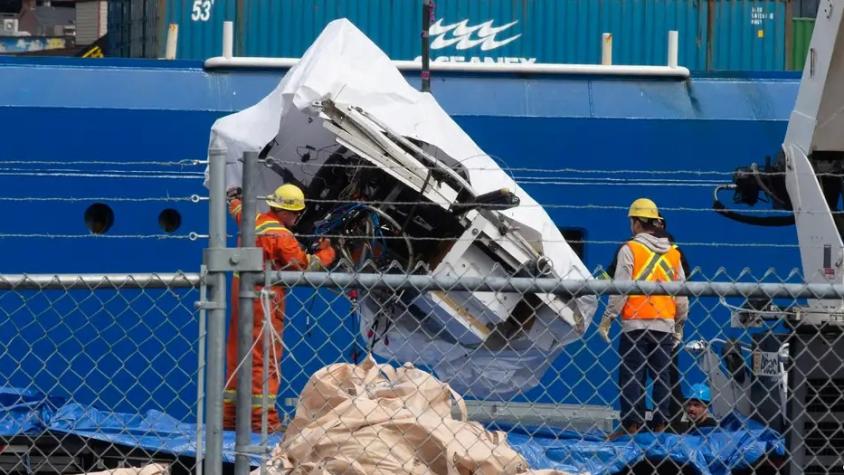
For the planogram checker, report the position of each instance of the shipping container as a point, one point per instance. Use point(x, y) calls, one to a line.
point(714, 34)
point(136, 28)
point(802, 29)
point(805, 8)
point(747, 35)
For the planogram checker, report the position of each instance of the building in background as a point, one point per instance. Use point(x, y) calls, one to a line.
point(9, 12)
point(32, 26)
point(48, 19)
point(60, 28)
point(91, 21)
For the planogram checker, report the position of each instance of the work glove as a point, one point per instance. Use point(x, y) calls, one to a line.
point(604, 328)
point(324, 243)
point(233, 194)
point(678, 336)
point(326, 251)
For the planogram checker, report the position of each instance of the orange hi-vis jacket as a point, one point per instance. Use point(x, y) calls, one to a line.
point(281, 251)
point(652, 267)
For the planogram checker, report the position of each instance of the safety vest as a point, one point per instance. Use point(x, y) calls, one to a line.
point(266, 223)
point(652, 266)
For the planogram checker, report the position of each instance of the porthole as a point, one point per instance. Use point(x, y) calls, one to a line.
point(99, 218)
point(169, 220)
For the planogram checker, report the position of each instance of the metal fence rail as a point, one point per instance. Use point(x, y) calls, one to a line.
point(569, 287)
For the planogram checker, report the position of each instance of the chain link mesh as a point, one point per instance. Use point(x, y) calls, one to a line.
point(774, 372)
point(96, 371)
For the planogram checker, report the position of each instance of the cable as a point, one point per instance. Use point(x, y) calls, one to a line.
point(410, 256)
point(620, 183)
point(607, 180)
point(552, 205)
point(544, 170)
point(341, 212)
point(756, 175)
point(723, 302)
point(609, 242)
point(752, 220)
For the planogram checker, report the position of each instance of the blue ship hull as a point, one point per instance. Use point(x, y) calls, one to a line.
point(140, 115)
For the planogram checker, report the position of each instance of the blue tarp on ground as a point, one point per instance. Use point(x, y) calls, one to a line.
point(737, 443)
point(27, 412)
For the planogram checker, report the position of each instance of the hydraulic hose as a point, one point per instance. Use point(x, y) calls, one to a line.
point(771, 221)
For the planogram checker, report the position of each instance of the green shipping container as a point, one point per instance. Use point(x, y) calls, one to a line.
point(802, 28)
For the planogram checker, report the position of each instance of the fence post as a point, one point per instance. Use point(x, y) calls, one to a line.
point(216, 318)
point(245, 318)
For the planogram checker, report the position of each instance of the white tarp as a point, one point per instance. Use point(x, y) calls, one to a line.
point(343, 65)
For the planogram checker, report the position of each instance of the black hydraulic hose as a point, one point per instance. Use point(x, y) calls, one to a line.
point(771, 221)
point(755, 169)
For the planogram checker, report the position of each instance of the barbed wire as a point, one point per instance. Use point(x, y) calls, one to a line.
point(606, 180)
point(550, 205)
point(104, 175)
point(191, 236)
point(177, 163)
point(192, 198)
point(569, 241)
point(195, 236)
point(504, 167)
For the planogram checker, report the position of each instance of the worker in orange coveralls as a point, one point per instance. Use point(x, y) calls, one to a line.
point(281, 251)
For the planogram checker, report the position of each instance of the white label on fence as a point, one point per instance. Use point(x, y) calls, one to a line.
point(766, 364)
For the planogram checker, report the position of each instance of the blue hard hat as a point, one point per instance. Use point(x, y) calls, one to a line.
point(700, 392)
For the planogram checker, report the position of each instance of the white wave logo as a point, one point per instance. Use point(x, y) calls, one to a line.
point(461, 35)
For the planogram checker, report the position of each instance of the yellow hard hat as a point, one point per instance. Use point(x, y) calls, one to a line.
point(287, 197)
point(643, 208)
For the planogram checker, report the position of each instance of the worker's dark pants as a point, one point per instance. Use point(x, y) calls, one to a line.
point(675, 414)
point(643, 353)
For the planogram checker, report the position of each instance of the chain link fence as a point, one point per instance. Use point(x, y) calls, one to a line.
point(774, 374)
point(101, 372)
point(365, 364)
point(398, 357)
point(97, 371)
